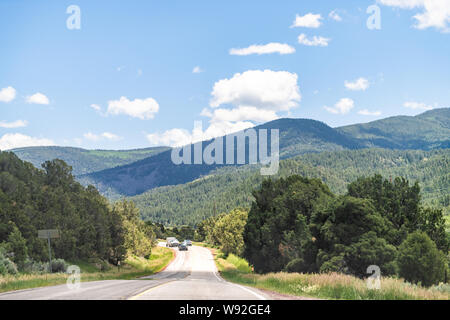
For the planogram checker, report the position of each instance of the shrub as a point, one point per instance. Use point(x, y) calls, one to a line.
point(31, 266)
point(59, 265)
point(419, 260)
point(6, 265)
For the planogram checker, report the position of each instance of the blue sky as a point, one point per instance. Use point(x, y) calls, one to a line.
point(126, 78)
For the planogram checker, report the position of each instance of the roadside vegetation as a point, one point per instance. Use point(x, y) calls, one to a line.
point(107, 241)
point(133, 268)
point(300, 238)
point(326, 285)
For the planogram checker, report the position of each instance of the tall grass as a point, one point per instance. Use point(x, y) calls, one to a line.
point(133, 268)
point(325, 286)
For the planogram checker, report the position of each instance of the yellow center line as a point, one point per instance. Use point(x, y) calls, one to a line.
point(148, 290)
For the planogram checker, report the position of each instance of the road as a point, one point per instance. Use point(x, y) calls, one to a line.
point(192, 275)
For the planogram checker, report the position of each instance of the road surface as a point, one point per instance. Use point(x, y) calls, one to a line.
point(191, 276)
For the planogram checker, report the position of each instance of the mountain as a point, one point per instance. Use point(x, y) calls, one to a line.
point(430, 130)
point(297, 136)
point(133, 172)
point(85, 161)
point(427, 131)
point(228, 188)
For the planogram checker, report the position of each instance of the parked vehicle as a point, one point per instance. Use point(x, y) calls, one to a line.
point(172, 242)
point(183, 247)
point(188, 242)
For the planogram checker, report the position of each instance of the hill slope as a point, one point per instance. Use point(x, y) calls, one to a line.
point(297, 136)
point(85, 161)
point(426, 131)
point(228, 188)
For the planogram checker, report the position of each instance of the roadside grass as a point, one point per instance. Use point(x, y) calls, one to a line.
point(133, 268)
point(324, 286)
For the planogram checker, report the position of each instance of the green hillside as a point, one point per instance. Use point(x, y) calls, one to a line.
point(228, 188)
point(85, 161)
point(427, 131)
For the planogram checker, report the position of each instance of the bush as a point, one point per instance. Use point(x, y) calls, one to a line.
point(31, 266)
point(6, 265)
point(59, 265)
point(419, 260)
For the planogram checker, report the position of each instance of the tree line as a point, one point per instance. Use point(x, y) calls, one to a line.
point(90, 227)
point(296, 224)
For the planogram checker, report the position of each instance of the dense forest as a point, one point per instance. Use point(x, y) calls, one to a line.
point(296, 224)
point(229, 188)
point(90, 227)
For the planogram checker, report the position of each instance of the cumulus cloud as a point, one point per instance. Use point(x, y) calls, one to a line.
point(435, 14)
point(314, 42)
point(366, 112)
point(269, 90)
point(417, 105)
point(335, 16)
point(237, 103)
point(172, 138)
point(360, 84)
point(14, 124)
point(18, 140)
point(7, 94)
point(105, 135)
point(309, 20)
point(137, 108)
point(343, 106)
point(38, 98)
point(273, 47)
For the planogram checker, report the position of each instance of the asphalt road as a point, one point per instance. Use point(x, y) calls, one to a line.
point(191, 276)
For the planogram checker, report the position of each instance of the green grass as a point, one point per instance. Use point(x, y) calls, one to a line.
point(134, 267)
point(324, 286)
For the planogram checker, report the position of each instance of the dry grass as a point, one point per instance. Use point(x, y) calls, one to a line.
point(326, 286)
point(134, 268)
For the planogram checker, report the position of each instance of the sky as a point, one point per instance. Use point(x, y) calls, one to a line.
point(134, 74)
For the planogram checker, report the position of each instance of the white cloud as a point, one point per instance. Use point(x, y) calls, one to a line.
point(38, 98)
point(18, 140)
point(309, 20)
point(105, 135)
point(270, 90)
point(243, 113)
point(436, 13)
point(7, 94)
point(357, 85)
point(173, 138)
point(273, 47)
point(14, 124)
point(314, 42)
point(96, 107)
point(417, 105)
point(366, 112)
point(138, 108)
point(236, 103)
point(335, 16)
point(343, 106)
point(197, 69)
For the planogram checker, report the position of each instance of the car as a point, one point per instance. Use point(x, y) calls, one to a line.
point(183, 247)
point(188, 242)
point(172, 242)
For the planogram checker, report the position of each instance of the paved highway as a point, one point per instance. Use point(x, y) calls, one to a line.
point(191, 276)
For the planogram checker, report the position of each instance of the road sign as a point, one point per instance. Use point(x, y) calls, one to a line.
point(47, 234)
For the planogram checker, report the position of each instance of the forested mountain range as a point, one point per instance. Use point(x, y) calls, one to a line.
point(175, 194)
point(229, 188)
point(428, 131)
